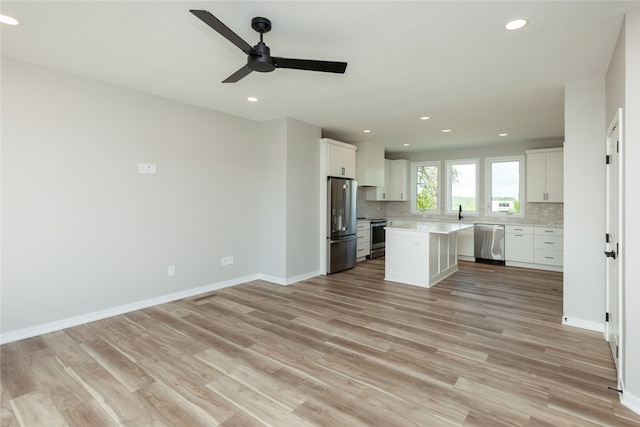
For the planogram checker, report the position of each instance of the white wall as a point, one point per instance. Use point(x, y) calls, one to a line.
point(584, 204)
point(270, 189)
point(289, 200)
point(631, 246)
point(85, 236)
point(303, 200)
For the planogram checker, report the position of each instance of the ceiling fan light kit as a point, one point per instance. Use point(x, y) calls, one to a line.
point(259, 56)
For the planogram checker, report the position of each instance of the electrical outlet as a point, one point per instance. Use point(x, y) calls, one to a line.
point(171, 271)
point(227, 260)
point(545, 212)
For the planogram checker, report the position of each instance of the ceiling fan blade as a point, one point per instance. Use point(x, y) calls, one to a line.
point(241, 73)
point(224, 31)
point(311, 65)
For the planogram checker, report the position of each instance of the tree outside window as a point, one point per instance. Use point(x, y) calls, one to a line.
point(427, 187)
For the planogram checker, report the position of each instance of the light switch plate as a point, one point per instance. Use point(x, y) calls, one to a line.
point(147, 168)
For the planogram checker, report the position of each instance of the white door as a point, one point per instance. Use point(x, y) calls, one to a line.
point(613, 237)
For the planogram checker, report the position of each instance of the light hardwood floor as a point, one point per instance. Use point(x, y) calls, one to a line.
point(483, 347)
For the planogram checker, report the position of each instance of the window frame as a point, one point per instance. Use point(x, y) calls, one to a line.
point(449, 195)
point(488, 162)
point(414, 184)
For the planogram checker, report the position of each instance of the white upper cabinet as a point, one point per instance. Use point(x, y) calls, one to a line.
point(381, 193)
point(396, 183)
point(399, 180)
point(370, 165)
point(341, 158)
point(545, 175)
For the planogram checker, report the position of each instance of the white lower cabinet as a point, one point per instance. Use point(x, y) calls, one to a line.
point(518, 243)
point(363, 240)
point(548, 246)
point(534, 247)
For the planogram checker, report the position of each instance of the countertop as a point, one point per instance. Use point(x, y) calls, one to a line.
point(471, 221)
point(432, 227)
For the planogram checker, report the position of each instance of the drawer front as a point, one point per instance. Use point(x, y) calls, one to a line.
point(541, 256)
point(363, 236)
point(362, 250)
point(518, 229)
point(555, 243)
point(548, 231)
point(363, 225)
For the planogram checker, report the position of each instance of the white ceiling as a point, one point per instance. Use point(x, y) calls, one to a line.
point(449, 60)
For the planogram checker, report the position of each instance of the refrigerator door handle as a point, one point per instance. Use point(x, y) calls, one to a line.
point(345, 212)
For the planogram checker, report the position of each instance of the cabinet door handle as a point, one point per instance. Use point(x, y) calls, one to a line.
point(343, 171)
point(610, 254)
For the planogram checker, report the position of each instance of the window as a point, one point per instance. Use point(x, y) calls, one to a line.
point(504, 185)
point(462, 186)
point(425, 187)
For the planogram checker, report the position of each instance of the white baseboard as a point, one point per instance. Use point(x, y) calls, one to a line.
point(290, 280)
point(534, 266)
point(630, 401)
point(69, 322)
point(583, 324)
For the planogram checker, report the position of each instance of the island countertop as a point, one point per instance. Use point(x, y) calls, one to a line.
point(432, 227)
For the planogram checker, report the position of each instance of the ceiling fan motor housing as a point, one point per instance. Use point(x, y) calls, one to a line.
point(262, 62)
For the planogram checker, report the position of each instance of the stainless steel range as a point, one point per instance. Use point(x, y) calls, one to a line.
point(377, 237)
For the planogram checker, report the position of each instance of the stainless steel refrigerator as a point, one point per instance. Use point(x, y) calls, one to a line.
point(341, 224)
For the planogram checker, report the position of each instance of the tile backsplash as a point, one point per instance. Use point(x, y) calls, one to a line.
point(549, 214)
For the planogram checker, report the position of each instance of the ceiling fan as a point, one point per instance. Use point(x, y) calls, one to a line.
point(259, 56)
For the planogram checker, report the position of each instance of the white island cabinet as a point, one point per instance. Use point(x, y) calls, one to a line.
point(421, 253)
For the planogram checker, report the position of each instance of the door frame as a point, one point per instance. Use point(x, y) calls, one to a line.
point(615, 213)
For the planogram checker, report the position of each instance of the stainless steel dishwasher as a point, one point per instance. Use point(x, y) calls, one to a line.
point(488, 243)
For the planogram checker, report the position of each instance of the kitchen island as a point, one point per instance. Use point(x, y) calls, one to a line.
point(422, 253)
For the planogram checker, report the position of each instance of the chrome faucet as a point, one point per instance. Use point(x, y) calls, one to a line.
point(460, 212)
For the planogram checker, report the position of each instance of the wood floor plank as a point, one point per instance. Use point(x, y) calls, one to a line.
point(88, 414)
point(16, 377)
point(176, 410)
point(252, 378)
point(484, 347)
point(123, 369)
point(7, 416)
point(255, 404)
point(35, 409)
point(121, 405)
point(62, 388)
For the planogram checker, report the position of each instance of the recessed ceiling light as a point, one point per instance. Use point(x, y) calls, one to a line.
point(446, 130)
point(252, 99)
point(8, 20)
point(367, 131)
point(406, 145)
point(503, 134)
point(515, 24)
point(425, 118)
